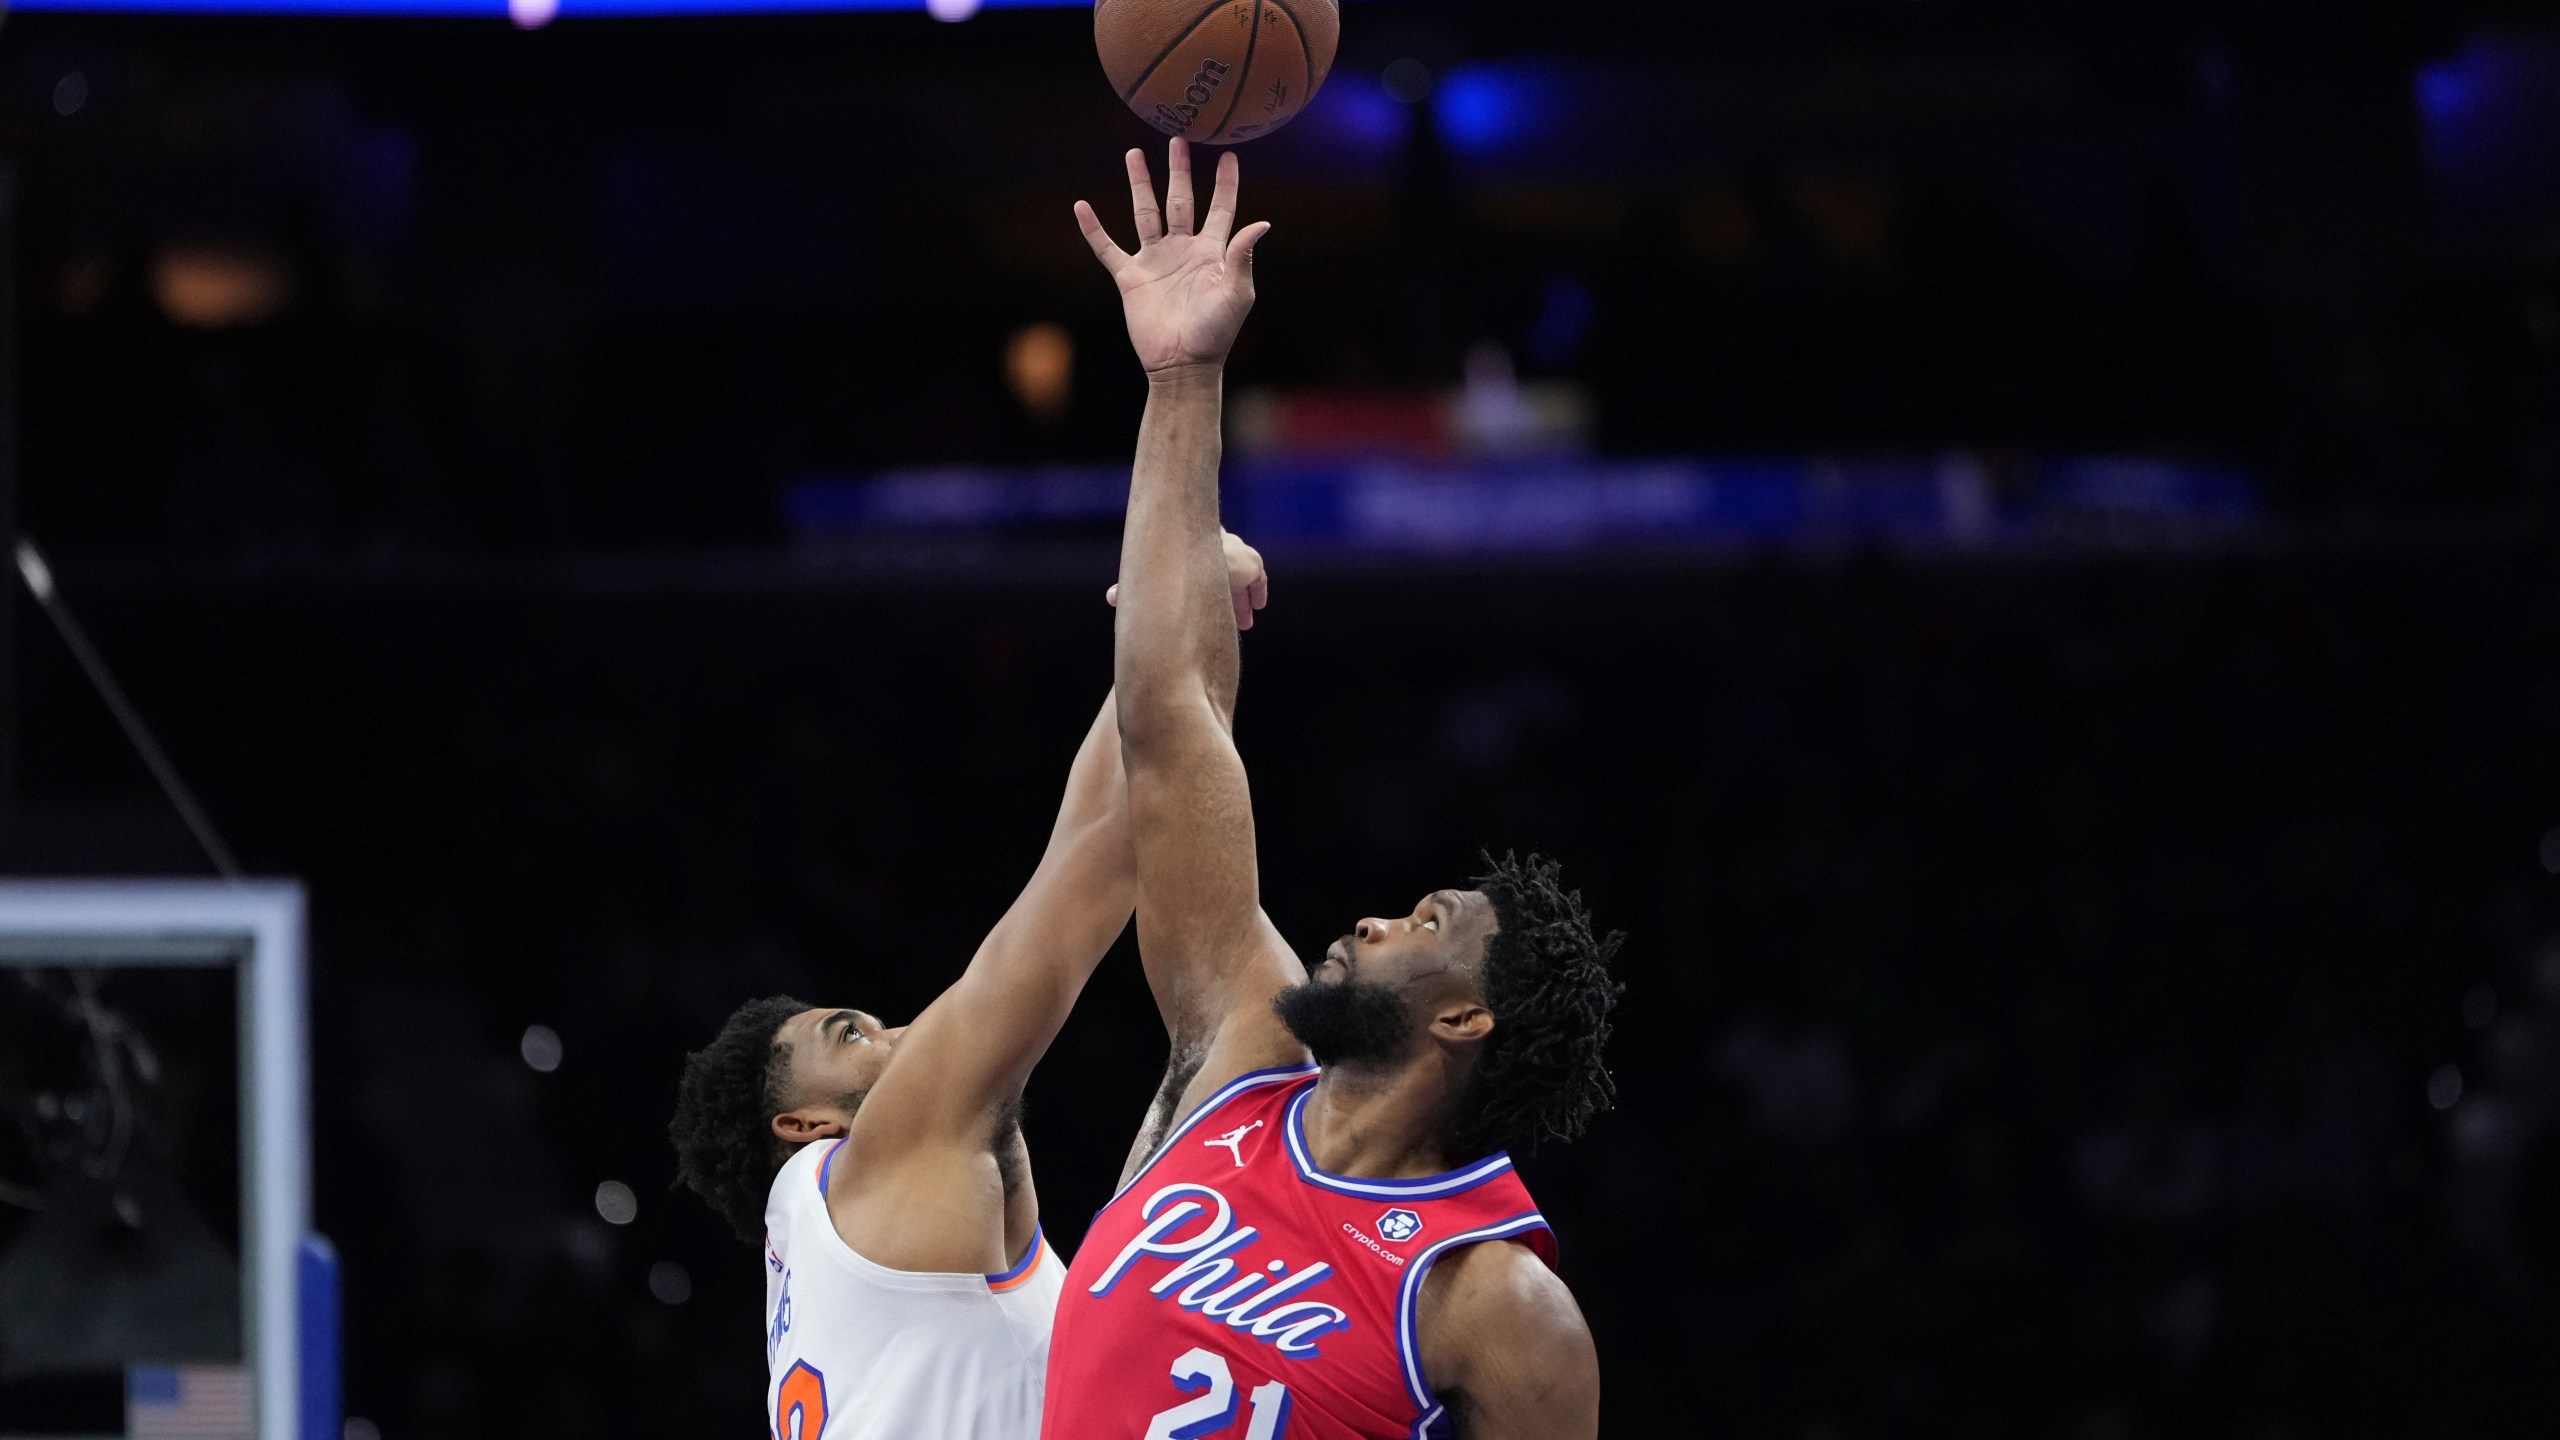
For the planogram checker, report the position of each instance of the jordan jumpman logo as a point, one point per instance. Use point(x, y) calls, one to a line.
point(1234, 1141)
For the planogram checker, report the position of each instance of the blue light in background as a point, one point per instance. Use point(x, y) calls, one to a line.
point(1481, 108)
point(2491, 112)
point(1486, 109)
point(2451, 95)
point(1388, 504)
point(497, 9)
point(2448, 89)
point(1564, 321)
point(1353, 113)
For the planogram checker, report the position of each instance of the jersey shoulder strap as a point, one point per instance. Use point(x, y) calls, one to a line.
point(1499, 1209)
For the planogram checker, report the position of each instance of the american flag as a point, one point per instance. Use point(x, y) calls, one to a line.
point(186, 1402)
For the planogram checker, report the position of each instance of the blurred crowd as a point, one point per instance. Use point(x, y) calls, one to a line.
point(2085, 1000)
point(294, 288)
point(2094, 995)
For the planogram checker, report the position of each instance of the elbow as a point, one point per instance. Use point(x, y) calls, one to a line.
point(1154, 717)
point(1143, 674)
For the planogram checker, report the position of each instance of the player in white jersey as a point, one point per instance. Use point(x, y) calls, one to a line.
point(908, 1292)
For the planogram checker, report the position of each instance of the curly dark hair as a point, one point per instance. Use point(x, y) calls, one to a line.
point(726, 1151)
point(1546, 979)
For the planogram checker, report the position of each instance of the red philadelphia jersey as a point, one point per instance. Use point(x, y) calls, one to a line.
point(1233, 1291)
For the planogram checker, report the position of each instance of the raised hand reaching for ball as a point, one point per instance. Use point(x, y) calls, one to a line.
point(1187, 290)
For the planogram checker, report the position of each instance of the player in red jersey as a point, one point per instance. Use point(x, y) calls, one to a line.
point(1340, 1253)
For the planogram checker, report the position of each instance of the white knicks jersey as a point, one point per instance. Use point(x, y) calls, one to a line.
point(858, 1351)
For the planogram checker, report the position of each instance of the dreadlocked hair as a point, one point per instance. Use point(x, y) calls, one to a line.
point(1546, 978)
point(726, 1151)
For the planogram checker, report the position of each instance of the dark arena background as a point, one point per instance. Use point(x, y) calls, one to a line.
point(2010, 546)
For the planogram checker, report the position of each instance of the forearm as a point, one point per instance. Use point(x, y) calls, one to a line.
point(985, 1032)
point(1079, 898)
point(1177, 638)
point(1186, 294)
point(1097, 787)
point(1086, 886)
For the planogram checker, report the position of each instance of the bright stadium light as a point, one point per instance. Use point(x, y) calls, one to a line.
point(540, 1048)
point(616, 1203)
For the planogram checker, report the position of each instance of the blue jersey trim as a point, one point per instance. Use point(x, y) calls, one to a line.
point(1029, 1258)
point(829, 1164)
point(1430, 1187)
point(1408, 1343)
point(1249, 1080)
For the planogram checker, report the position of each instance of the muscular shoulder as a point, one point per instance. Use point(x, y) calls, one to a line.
point(1506, 1347)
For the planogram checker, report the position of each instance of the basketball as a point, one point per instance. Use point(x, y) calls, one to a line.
point(1221, 72)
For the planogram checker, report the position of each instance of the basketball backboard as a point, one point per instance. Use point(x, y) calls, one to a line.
point(158, 1277)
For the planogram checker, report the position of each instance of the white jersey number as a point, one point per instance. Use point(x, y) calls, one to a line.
point(1213, 1407)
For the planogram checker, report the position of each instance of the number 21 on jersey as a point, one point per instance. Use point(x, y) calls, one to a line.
point(1213, 1407)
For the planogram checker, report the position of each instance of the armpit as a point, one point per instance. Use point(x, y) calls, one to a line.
point(1180, 1070)
point(1013, 1156)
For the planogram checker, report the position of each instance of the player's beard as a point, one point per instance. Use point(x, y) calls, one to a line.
point(1346, 1021)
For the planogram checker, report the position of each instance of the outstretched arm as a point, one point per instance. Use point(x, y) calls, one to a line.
point(1212, 959)
point(919, 1197)
point(924, 1191)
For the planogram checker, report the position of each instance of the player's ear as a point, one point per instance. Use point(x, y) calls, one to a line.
point(1462, 1022)
point(815, 1122)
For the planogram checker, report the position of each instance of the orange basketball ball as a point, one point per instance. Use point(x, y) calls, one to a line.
point(1220, 72)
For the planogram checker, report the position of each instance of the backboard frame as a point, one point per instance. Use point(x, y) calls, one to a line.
point(259, 927)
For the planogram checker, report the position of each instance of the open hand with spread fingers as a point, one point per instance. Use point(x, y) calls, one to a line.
point(1188, 288)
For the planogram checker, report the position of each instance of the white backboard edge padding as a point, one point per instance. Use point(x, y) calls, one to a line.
point(186, 922)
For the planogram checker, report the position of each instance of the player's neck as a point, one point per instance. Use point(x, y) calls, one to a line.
point(1379, 1124)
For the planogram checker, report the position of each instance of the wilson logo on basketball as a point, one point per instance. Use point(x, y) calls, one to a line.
point(1178, 117)
point(1272, 57)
